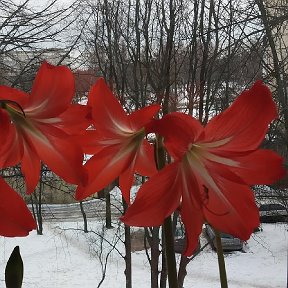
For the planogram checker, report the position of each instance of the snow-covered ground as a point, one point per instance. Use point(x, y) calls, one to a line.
point(69, 258)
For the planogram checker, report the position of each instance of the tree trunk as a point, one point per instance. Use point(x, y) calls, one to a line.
point(84, 217)
point(37, 211)
point(108, 210)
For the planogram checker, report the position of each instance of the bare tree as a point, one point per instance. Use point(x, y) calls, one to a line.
point(30, 34)
point(191, 56)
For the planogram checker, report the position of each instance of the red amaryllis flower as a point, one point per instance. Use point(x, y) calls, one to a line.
point(212, 169)
point(41, 126)
point(15, 217)
point(118, 143)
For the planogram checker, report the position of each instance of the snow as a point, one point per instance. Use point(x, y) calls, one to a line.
point(66, 257)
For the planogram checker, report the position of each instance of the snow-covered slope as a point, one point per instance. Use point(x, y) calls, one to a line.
point(70, 258)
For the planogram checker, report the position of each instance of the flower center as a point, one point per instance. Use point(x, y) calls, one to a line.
point(138, 136)
point(196, 161)
point(201, 152)
point(18, 117)
point(12, 107)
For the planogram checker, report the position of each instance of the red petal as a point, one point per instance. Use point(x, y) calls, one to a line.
point(126, 181)
point(107, 112)
point(74, 119)
point(103, 168)
point(245, 121)
point(90, 141)
point(16, 219)
point(8, 93)
point(157, 198)
point(11, 148)
point(145, 163)
point(179, 130)
point(52, 92)
point(58, 151)
point(140, 118)
point(193, 220)
point(260, 167)
point(238, 215)
point(30, 167)
point(191, 210)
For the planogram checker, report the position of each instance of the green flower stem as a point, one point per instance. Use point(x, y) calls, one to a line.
point(221, 262)
point(170, 253)
point(160, 157)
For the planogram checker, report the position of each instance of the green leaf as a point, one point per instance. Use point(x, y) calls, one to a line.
point(14, 270)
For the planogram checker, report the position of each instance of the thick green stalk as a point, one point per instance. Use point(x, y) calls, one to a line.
point(167, 226)
point(221, 261)
point(170, 253)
